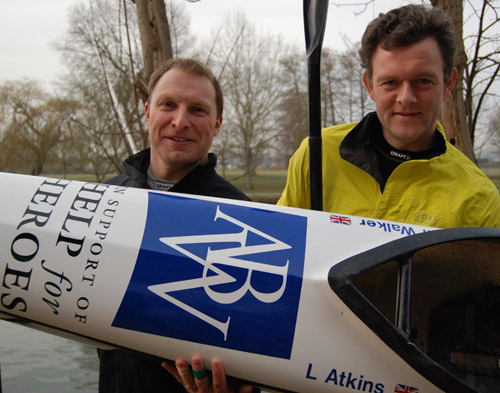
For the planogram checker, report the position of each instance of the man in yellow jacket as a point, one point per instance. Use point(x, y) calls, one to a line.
point(395, 164)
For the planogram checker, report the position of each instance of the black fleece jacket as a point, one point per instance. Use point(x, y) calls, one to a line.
point(127, 372)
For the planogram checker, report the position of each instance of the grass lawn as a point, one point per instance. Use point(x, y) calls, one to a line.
point(494, 174)
point(267, 184)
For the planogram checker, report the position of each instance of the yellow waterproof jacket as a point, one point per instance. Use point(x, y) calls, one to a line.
point(445, 191)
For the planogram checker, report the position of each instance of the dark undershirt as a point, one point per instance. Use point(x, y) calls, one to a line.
point(389, 158)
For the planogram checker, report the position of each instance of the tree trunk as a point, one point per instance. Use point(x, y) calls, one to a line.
point(453, 116)
point(249, 168)
point(155, 38)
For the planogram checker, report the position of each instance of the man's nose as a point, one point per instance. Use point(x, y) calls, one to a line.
point(406, 93)
point(181, 118)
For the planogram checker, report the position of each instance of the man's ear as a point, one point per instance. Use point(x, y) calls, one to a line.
point(218, 124)
point(146, 113)
point(448, 85)
point(368, 85)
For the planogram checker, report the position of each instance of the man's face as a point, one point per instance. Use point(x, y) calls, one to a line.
point(409, 90)
point(182, 120)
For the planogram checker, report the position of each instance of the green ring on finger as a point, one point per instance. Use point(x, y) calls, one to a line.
point(200, 374)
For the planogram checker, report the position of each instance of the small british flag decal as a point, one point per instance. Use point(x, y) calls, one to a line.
point(405, 389)
point(336, 219)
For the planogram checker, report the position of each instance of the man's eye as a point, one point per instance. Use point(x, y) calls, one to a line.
point(389, 85)
point(424, 81)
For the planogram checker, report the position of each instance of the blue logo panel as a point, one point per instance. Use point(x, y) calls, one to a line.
point(217, 274)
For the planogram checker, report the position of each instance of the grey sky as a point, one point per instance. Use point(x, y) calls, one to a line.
point(27, 27)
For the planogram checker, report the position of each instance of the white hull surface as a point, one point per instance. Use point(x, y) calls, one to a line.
point(171, 275)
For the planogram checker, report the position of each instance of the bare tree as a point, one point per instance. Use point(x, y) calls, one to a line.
point(353, 99)
point(343, 96)
point(155, 35)
point(101, 51)
point(453, 114)
point(329, 84)
point(164, 32)
point(292, 119)
point(33, 125)
point(478, 64)
point(180, 33)
point(250, 75)
point(493, 133)
point(482, 72)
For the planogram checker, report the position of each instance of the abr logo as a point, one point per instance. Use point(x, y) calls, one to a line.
point(217, 274)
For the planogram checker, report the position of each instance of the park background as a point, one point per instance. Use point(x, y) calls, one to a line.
point(75, 81)
point(71, 107)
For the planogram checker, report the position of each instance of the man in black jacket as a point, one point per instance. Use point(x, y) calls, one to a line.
point(184, 114)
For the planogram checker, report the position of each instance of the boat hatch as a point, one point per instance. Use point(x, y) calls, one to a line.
point(439, 291)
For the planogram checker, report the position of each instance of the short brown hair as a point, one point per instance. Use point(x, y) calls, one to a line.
point(190, 65)
point(405, 26)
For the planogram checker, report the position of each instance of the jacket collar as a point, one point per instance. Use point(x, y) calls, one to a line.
point(358, 149)
point(136, 167)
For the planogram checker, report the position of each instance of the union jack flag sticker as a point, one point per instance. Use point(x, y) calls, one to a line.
point(336, 219)
point(405, 389)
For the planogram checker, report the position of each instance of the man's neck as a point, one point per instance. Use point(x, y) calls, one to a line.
point(158, 184)
point(423, 144)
